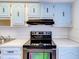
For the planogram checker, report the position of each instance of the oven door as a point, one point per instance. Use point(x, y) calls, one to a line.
point(39, 54)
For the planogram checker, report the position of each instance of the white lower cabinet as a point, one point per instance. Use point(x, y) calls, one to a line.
point(11, 57)
point(11, 53)
point(0, 53)
point(68, 53)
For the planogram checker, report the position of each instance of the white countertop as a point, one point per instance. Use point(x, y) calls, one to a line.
point(65, 43)
point(15, 43)
point(58, 42)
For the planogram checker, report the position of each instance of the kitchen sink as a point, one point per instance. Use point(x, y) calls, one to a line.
point(5, 40)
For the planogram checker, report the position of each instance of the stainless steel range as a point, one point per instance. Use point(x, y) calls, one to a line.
point(40, 46)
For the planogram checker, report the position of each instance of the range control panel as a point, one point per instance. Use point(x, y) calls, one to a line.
point(44, 37)
point(41, 33)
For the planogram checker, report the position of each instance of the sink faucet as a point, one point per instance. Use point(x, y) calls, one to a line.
point(2, 37)
point(6, 38)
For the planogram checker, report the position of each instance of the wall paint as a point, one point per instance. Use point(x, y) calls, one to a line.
point(75, 30)
point(24, 32)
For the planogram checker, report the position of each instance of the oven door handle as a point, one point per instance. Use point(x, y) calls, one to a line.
point(39, 50)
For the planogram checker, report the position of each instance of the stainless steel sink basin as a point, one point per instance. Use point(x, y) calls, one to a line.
point(5, 40)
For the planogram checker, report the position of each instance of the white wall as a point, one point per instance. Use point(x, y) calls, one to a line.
point(75, 29)
point(24, 32)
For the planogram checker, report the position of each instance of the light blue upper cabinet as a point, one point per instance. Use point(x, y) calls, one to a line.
point(46, 10)
point(4, 10)
point(17, 14)
point(63, 15)
point(34, 10)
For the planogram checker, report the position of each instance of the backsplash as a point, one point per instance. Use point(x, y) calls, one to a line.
point(24, 32)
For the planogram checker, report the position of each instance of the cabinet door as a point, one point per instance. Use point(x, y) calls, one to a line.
point(67, 15)
point(4, 9)
point(68, 53)
point(46, 10)
point(11, 51)
point(62, 15)
point(17, 14)
point(34, 10)
point(11, 57)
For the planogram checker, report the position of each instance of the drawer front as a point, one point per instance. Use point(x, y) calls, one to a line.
point(12, 57)
point(12, 51)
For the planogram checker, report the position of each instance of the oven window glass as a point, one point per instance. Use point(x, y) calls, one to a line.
point(37, 55)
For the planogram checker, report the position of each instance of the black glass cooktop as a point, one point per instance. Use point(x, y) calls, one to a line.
point(38, 46)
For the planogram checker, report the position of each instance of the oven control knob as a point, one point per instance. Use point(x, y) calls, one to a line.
point(40, 44)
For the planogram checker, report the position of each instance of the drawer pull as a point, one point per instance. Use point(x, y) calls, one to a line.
point(0, 52)
point(10, 51)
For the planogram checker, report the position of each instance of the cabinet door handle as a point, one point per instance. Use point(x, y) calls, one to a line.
point(0, 52)
point(47, 10)
point(3, 9)
point(10, 14)
point(18, 14)
point(53, 14)
point(63, 14)
point(33, 10)
point(53, 6)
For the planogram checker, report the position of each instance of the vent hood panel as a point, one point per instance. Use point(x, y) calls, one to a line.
point(40, 21)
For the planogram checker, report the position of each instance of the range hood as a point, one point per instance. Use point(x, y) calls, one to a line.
point(40, 21)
